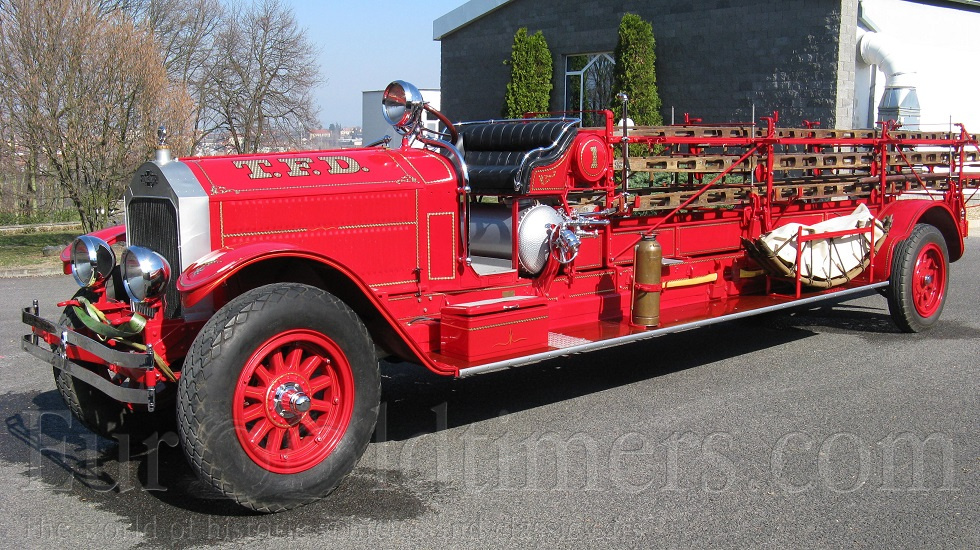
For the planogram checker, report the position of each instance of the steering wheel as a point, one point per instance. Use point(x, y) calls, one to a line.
point(451, 134)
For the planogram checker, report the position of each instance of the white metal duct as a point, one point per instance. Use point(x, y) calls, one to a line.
point(900, 101)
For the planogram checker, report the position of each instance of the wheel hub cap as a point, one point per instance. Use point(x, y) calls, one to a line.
point(290, 401)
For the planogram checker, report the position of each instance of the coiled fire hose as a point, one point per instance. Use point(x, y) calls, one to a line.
point(96, 321)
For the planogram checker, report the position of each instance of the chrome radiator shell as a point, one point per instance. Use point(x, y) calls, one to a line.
point(167, 212)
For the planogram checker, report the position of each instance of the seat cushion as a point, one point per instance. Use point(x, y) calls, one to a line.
point(512, 135)
point(500, 155)
point(493, 179)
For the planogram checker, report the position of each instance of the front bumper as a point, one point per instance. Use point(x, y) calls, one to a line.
point(66, 345)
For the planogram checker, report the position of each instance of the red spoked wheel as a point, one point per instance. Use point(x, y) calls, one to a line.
point(279, 396)
point(929, 280)
point(293, 401)
point(919, 276)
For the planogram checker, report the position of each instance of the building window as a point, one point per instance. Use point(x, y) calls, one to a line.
point(588, 85)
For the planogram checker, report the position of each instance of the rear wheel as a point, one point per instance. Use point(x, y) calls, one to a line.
point(919, 276)
point(279, 396)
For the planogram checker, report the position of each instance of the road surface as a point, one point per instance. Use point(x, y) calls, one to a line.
point(824, 428)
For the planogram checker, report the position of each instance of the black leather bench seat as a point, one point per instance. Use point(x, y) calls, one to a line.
point(500, 155)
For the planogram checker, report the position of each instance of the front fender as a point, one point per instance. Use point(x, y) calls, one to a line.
point(201, 278)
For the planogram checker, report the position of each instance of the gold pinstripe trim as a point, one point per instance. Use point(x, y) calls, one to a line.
point(550, 174)
point(370, 225)
point(594, 275)
point(418, 246)
point(214, 188)
point(496, 325)
point(375, 285)
point(510, 339)
point(307, 229)
point(221, 222)
point(428, 259)
point(402, 298)
point(273, 232)
point(218, 190)
point(594, 293)
point(401, 162)
point(564, 278)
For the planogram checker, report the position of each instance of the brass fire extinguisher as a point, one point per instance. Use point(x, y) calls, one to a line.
point(648, 263)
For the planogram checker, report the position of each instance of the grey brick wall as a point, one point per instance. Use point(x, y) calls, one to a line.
point(715, 58)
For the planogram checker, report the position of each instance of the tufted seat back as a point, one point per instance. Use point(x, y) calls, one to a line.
point(500, 155)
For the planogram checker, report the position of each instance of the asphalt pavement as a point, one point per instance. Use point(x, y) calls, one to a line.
point(824, 427)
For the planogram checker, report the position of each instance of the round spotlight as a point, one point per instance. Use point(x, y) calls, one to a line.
point(402, 105)
point(92, 260)
point(145, 273)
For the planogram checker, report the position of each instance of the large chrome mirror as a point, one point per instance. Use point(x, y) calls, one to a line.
point(402, 106)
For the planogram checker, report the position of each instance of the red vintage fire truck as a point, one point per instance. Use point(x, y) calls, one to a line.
point(256, 294)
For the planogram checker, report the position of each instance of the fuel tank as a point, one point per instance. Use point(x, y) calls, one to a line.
point(492, 233)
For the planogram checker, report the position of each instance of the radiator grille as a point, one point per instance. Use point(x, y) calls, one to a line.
point(152, 223)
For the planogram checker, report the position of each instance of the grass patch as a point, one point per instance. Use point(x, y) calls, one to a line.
point(24, 249)
point(56, 216)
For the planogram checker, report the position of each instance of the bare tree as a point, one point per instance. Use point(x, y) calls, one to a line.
point(264, 74)
point(84, 91)
point(86, 83)
point(185, 33)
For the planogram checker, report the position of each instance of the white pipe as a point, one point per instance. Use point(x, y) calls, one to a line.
point(900, 100)
point(885, 52)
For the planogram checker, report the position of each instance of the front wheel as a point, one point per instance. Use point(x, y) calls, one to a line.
point(279, 396)
point(102, 414)
point(919, 277)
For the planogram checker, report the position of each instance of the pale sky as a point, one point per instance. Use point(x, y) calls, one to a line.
point(365, 44)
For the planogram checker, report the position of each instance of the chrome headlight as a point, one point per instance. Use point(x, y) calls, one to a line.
point(92, 259)
point(401, 105)
point(144, 272)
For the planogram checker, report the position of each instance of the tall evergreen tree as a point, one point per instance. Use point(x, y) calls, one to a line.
point(635, 72)
point(529, 89)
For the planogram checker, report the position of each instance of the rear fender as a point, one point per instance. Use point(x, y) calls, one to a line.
point(905, 214)
point(202, 278)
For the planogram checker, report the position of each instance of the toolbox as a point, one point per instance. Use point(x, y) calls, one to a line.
point(484, 329)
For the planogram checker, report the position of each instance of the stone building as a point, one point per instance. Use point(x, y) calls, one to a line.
point(720, 60)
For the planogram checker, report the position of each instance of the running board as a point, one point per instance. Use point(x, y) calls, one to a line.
point(574, 348)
